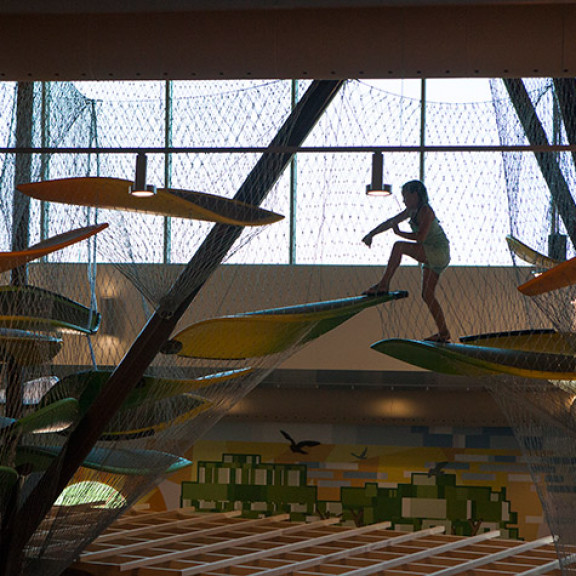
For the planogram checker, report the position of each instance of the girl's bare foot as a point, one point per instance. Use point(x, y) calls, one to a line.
point(438, 338)
point(376, 290)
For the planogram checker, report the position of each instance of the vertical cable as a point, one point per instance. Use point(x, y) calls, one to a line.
point(293, 183)
point(422, 128)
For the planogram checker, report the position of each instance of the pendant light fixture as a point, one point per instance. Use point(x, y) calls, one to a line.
point(377, 186)
point(140, 188)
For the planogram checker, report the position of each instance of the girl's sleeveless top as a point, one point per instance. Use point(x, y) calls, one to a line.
point(436, 246)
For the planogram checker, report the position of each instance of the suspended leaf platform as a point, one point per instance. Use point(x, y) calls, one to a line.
point(153, 417)
point(129, 462)
point(529, 255)
point(26, 348)
point(113, 194)
point(267, 332)
point(32, 308)
point(539, 340)
point(87, 385)
point(10, 260)
point(52, 418)
point(470, 360)
point(560, 276)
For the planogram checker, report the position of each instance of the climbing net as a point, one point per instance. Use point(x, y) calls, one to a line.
point(105, 289)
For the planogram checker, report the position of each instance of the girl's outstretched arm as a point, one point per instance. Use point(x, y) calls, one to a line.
point(390, 223)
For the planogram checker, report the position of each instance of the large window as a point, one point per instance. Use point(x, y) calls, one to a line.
point(207, 136)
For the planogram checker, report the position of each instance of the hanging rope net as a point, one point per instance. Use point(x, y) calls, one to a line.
point(70, 318)
point(540, 203)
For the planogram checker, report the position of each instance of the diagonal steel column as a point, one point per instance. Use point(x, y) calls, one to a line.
point(161, 324)
point(546, 160)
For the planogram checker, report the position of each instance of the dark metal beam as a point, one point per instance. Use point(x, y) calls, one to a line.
point(565, 89)
point(158, 329)
point(286, 39)
point(546, 161)
point(368, 148)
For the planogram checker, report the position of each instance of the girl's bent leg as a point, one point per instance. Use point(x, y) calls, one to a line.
point(398, 250)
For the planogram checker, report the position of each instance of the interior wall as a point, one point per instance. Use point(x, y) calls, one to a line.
point(476, 300)
point(361, 471)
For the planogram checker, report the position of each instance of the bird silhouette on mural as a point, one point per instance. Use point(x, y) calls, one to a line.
point(362, 455)
point(298, 447)
point(437, 469)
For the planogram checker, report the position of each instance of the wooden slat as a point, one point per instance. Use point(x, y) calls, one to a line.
point(149, 543)
point(434, 551)
point(198, 519)
point(512, 551)
point(131, 516)
point(193, 544)
point(363, 549)
point(548, 567)
point(208, 567)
